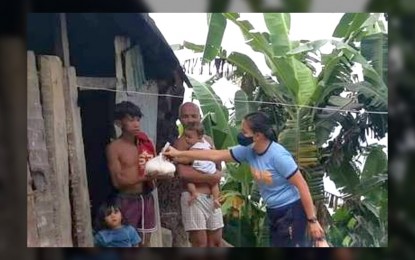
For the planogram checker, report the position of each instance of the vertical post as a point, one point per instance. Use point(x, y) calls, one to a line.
point(62, 42)
point(53, 104)
point(79, 195)
point(39, 167)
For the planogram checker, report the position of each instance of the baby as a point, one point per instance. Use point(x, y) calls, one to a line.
point(194, 137)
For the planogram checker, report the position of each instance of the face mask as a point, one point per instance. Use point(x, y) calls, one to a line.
point(245, 141)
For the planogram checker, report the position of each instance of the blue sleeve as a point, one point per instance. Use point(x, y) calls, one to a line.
point(239, 153)
point(133, 234)
point(285, 164)
point(99, 240)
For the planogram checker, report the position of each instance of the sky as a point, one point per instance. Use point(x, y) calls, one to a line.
point(192, 27)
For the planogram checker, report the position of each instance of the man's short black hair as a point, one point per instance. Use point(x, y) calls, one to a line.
point(126, 108)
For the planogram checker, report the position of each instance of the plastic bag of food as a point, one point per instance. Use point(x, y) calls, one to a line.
point(159, 165)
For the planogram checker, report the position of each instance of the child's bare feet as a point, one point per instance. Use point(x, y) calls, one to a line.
point(192, 198)
point(216, 203)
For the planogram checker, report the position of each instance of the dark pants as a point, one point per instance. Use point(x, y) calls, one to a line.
point(288, 226)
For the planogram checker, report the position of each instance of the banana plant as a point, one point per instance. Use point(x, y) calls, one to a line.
point(306, 129)
point(362, 220)
point(296, 84)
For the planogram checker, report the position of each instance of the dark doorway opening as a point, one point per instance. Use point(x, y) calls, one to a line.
point(97, 108)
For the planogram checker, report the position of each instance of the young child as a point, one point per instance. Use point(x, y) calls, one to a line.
point(111, 229)
point(194, 137)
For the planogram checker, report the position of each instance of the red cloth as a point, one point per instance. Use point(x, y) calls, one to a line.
point(146, 152)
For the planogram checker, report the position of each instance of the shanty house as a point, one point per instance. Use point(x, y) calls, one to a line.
point(79, 65)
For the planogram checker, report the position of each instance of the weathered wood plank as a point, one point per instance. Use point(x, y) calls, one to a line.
point(53, 105)
point(90, 82)
point(121, 43)
point(62, 42)
point(77, 168)
point(39, 167)
point(32, 233)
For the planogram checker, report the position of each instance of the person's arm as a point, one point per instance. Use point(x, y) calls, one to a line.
point(287, 167)
point(298, 180)
point(134, 236)
point(98, 240)
point(210, 141)
point(189, 174)
point(209, 155)
point(183, 160)
point(117, 175)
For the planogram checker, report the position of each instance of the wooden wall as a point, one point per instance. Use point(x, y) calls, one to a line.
point(58, 199)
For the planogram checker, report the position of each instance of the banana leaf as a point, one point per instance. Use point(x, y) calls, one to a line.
point(278, 25)
point(217, 25)
point(299, 138)
point(242, 106)
point(349, 24)
point(211, 103)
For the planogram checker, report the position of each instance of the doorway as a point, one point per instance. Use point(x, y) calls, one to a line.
point(97, 108)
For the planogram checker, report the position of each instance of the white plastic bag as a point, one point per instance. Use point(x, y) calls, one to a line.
point(159, 165)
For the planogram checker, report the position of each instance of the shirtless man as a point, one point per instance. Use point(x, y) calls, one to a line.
point(201, 220)
point(126, 167)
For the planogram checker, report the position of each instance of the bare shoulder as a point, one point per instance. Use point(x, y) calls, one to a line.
point(114, 146)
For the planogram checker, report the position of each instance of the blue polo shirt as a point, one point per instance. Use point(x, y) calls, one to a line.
point(271, 170)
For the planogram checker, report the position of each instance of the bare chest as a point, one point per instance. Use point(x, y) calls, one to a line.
point(129, 157)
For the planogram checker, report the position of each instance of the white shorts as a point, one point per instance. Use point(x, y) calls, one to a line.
point(201, 213)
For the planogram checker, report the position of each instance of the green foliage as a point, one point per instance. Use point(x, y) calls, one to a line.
point(362, 219)
point(307, 133)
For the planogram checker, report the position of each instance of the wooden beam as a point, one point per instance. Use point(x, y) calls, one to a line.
point(81, 210)
point(32, 231)
point(54, 112)
point(62, 42)
point(92, 82)
point(38, 161)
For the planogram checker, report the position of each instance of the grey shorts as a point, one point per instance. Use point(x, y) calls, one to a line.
point(201, 214)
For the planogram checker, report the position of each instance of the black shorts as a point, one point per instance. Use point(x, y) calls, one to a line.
point(288, 226)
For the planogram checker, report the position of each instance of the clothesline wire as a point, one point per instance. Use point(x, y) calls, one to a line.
point(235, 100)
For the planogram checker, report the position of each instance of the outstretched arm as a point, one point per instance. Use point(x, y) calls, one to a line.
point(210, 155)
point(183, 160)
point(210, 141)
point(189, 174)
